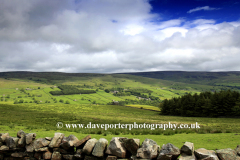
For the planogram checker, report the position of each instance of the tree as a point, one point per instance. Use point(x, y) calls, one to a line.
point(107, 90)
point(67, 102)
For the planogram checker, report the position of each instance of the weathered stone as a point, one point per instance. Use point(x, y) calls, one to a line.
point(148, 150)
point(48, 138)
point(237, 149)
point(22, 139)
point(44, 149)
point(211, 157)
point(187, 148)
point(148, 142)
point(79, 154)
point(202, 153)
point(30, 147)
point(38, 155)
point(4, 148)
point(37, 144)
point(108, 151)
point(18, 154)
point(116, 147)
point(72, 140)
point(47, 155)
point(185, 156)
point(12, 142)
point(100, 147)
point(4, 136)
point(45, 142)
point(227, 154)
point(68, 142)
point(111, 158)
point(21, 132)
point(65, 144)
point(56, 141)
point(68, 157)
point(88, 147)
point(168, 151)
point(56, 156)
point(132, 145)
point(30, 137)
point(40, 142)
point(148, 153)
point(79, 144)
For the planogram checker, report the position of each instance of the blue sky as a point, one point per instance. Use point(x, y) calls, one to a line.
point(219, 10)
point(112, 36)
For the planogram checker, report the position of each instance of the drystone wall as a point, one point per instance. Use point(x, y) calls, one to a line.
point(26, 147)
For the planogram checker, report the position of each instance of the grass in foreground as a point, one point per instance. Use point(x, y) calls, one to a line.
point(46, 116)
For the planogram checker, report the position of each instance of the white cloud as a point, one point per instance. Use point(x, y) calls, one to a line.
point(205, 8)
point(132, 30)
point(68, 37)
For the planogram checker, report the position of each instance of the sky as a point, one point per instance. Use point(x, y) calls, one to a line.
point(116, 36)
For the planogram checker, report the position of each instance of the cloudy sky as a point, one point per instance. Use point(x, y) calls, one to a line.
point(112, 36)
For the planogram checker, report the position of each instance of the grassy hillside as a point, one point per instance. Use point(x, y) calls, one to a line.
point(28, 87)
point(214, 80)
point(31, 87)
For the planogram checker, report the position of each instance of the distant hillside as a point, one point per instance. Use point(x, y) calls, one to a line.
point(173, 75)
point(224, 79)
point(162, 84)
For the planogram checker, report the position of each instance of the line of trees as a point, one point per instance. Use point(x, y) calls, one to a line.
point(136, 92)
point(140, 90)
point(206, 104)
point(70, 89)
point(142, 102)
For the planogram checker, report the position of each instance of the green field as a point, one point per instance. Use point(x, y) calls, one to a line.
point(39, 111)
point(45, 116)
point(144, 107)
point(42, 119)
